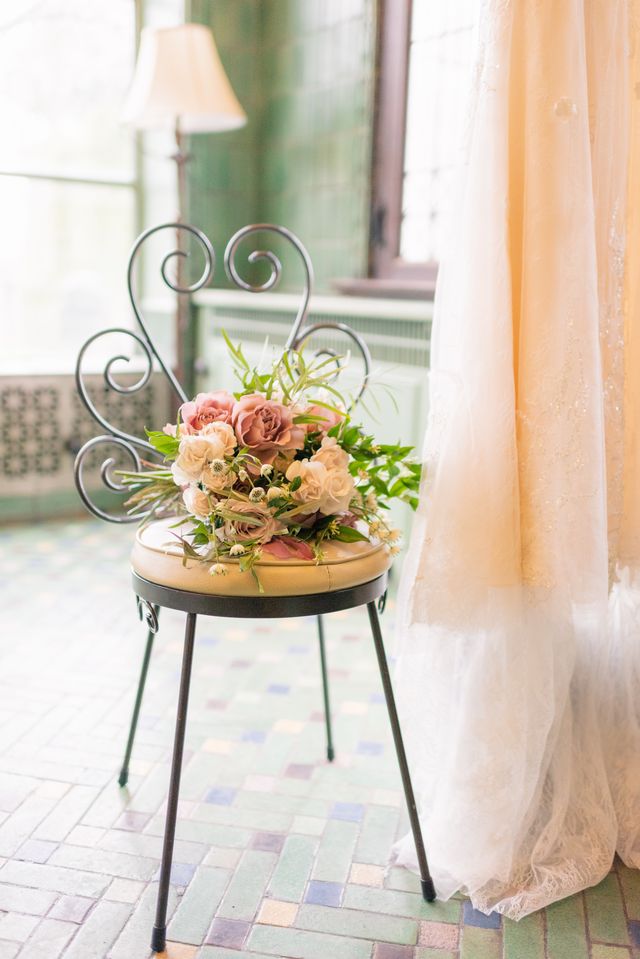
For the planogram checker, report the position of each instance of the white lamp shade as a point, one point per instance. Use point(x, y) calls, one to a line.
point(179, 78)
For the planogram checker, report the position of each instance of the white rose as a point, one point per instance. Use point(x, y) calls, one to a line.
point(197, 502)
point(325, 490)
point(311, 489)
point(225, 435)
point(196, 451)
point(338, 490)
point(331, 454)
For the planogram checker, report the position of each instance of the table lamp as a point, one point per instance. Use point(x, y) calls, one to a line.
point(180, 83)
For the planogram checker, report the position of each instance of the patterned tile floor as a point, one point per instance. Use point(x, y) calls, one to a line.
point(278, 853)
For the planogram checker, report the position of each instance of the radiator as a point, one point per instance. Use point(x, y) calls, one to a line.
point(43, 424)
point(397, 333)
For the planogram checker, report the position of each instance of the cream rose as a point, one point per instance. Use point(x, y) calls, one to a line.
point(331, 454)
point(224, 434)
point(323, 490)
point(217, 476)
point(197, 502)
point(196, 451)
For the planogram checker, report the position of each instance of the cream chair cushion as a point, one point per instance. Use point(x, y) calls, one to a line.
point(156, 557)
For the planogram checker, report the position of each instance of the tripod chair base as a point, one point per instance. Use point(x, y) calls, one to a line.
point(270, 607)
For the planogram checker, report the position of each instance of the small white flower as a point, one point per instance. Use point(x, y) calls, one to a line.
point(243, 476)
point(256, 494)
point(394, 535)
point(274, 492)
point(266, 469)
point(371, 501)
point(394, 550)
point(237, 550)
point(218, 467)
point(218, 569)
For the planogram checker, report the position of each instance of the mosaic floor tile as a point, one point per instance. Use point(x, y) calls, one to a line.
point(278, 853)
point(275, 912)
point(324, 893)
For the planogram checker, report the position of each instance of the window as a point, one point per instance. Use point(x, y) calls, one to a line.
point(424, 65)
point(68, 191)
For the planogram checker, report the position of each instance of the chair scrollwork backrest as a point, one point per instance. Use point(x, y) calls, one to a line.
point(132, 446)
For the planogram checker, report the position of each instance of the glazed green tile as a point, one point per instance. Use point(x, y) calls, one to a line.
point(605, 911)
point(566, 930)
point(336, 851)
point(246, 889)
point(480, 943)
point(402, 879)
point(294, 866)
point(357, 923)
point(198, 905)
point(396, 903)
point(218, 952)
point(524, 939)
point(600, 951)
point(630, 882)
point(278, 941)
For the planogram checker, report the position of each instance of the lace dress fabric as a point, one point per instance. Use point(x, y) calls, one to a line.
point(519, 636)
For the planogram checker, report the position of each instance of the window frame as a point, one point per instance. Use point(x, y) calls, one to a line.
point(387, 269)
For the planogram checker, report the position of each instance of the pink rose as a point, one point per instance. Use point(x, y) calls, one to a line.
point(265, 427)
point(254, 522)
point(288, 547)
point(206, 408)
point(330, 419)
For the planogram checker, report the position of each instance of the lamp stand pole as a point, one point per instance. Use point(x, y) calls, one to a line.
point(181, 158)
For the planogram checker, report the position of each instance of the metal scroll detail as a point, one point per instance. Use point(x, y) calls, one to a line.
point(148, 353)
point(142, 343)
point(148, 614)
point(300, 331)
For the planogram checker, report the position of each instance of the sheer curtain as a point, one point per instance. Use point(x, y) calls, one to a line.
point(519, 638)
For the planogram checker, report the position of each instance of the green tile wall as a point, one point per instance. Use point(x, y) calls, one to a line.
point(304, 71)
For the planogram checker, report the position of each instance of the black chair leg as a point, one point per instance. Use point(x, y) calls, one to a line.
point(325, 690)
point(123, 778)
point(428, 890)
point(159, 935)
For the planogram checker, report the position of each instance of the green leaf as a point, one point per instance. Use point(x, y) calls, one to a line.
point(347, 534)
point(304, 418)
point(296, 484)
point(163, 443)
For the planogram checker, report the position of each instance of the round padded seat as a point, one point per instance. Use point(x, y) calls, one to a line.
point(157, 558)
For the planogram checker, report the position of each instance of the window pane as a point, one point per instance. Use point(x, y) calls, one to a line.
point(65, 66)
point(63, 257)
point(439, 65)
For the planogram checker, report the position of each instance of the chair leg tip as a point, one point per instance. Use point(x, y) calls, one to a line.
point(330, 753)
point(159, 938)
point(428, 890)
point(123, 778)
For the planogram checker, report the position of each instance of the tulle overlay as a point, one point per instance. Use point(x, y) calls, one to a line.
point(519, 636)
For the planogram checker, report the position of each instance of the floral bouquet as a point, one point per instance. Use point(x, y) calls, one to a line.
point(277, 468)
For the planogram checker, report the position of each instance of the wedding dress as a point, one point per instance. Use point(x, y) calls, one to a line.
point(518, 668)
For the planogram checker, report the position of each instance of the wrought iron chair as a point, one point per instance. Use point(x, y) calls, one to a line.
point(156, 586)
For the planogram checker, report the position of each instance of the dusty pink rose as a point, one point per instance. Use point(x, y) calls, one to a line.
point(288, 547)
point(330, 419)
point(260, 527)
point(265, 427)
point(206, 408)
